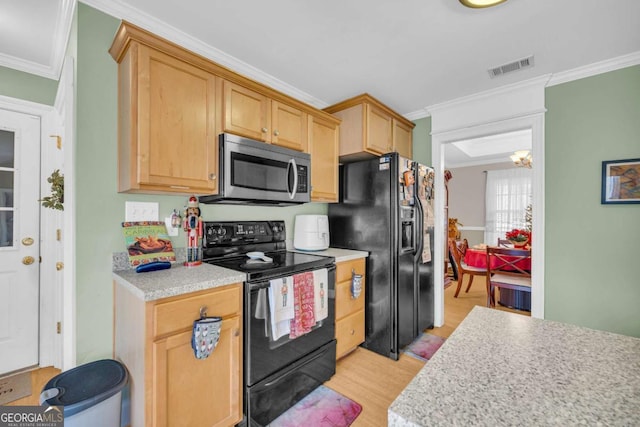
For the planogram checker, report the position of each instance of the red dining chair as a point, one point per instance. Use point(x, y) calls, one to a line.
point(504, 243)
point(463, 268)
point(505, 270)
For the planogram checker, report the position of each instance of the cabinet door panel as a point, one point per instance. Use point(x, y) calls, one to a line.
point(379, 130)
point(289, 126)
point(246, 113)
point(323, 148)
point(402, 139)
point(177, 144)
point(193, 392)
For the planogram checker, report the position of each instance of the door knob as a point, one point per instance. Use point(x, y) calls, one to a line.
point(27, 241)
point(28, 260)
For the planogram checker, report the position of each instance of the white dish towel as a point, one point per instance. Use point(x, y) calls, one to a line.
point(281, 306)
point(321, 291)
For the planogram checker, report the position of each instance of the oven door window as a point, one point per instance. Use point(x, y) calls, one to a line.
point(260, 174)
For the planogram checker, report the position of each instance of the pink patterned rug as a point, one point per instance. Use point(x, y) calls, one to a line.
point(321, 407)
point(425, 346)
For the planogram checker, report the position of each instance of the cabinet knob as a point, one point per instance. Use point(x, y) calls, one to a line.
point(276, 133)
point(353, 331)
point(28, 260)
point(264, 130)
point(236, 332)
point(59, 265)
point(212, 176)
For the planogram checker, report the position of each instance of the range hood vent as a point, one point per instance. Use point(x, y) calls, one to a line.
point(511, 67)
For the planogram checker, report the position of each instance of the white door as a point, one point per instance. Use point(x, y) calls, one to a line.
point(19, 240)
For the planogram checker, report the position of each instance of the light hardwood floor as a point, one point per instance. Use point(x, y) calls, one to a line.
point(375, 381)
point(371, 380)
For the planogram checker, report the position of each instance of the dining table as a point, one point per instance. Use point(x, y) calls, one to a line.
point(520, 300)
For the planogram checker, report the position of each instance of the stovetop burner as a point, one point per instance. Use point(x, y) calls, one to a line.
point(226, 244)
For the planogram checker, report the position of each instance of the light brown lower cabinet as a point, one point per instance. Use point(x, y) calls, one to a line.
point(169, 386)
point(349, 310)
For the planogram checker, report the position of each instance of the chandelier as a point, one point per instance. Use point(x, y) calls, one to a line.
point(522, 158)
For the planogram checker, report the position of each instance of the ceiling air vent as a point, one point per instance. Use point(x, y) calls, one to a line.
point(511, 67)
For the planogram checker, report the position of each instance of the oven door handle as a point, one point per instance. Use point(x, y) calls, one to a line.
point(292, 192)
point(277, 380)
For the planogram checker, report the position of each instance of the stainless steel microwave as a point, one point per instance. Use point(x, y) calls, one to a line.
point(255, 172)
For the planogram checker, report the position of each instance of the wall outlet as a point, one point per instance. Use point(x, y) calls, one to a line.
point(140, 211)
point(171, 231)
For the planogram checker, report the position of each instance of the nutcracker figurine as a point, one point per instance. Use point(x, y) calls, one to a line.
point(193, 227)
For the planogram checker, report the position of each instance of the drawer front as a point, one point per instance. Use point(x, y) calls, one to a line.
point(349, 333)
point(343, 269)
point(179, 314)
point(345, 303)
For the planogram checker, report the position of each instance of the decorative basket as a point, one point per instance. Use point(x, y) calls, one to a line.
point(519, 245)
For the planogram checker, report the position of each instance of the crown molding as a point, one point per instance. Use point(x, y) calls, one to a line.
point(59, 47)
point(488, 94)
point(120, 10)
point(596, 68)
point(418, 114)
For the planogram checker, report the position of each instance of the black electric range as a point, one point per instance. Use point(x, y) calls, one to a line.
point(277, 372)
point(226, 244)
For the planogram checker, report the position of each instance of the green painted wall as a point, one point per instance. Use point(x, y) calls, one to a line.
point(591, 250)
point(100, 208)
point(29, 87)
point(422, 141)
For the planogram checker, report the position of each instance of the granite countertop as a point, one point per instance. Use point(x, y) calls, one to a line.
point(501, 368)
point(176, 280)
point(340, 255)
point(180, 280)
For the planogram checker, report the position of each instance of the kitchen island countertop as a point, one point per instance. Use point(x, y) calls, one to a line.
point(176, 280)
point(500, 368)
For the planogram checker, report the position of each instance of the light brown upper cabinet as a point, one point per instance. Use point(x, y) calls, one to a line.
point(173, 104)
point(323, 148)
point(253, 115)
point(167, 113)
point(370, 128)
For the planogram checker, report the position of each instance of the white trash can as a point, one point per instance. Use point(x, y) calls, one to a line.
point(90, 394)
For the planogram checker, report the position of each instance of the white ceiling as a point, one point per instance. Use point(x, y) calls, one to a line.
point(410, 54)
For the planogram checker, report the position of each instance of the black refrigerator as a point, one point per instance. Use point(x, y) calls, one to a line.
point(386, 208)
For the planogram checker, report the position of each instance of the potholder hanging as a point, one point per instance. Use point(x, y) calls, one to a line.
point(205, 336)
point(356, 284)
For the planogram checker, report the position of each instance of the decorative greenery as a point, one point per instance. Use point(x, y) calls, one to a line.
point(517, 235)
point(56, 199)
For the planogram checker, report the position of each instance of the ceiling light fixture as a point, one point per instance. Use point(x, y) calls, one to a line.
point(478, 4)
point(522, 158)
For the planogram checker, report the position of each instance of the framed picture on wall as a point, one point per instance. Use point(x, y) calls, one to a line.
point(620, 181)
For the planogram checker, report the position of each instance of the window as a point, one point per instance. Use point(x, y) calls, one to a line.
point(508, 193)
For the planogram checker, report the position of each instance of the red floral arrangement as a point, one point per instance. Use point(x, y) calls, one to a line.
point(518, 235)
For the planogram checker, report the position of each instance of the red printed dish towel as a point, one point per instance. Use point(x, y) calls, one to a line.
point(303, 305)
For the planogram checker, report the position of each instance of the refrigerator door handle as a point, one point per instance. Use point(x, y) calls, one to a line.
point(419, 226)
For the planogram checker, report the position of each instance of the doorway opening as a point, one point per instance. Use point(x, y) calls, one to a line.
point(535, 124)
point(488, 195)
